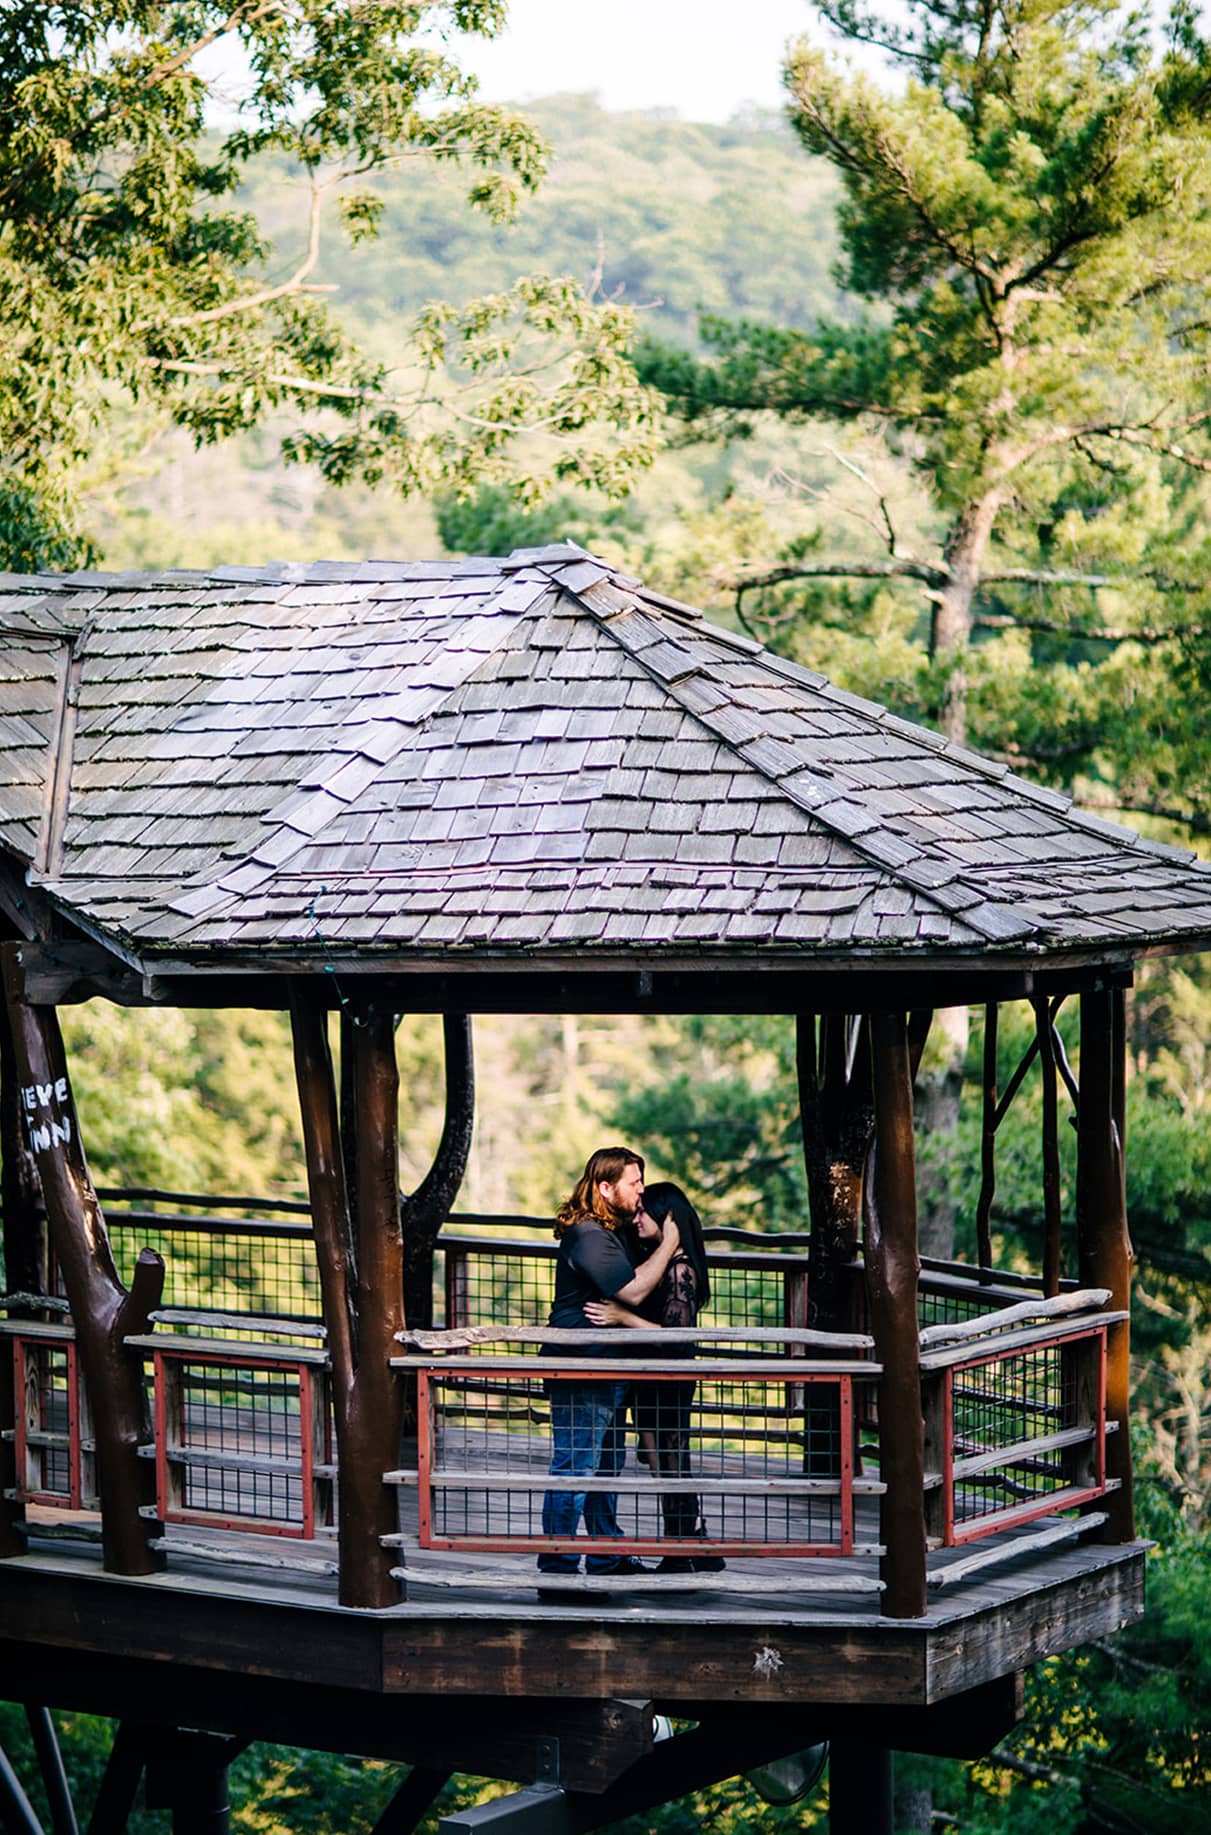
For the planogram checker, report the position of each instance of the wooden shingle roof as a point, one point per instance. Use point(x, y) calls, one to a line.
point(526, 758)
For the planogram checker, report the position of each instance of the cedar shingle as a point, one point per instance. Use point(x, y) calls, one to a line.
point(511, 736)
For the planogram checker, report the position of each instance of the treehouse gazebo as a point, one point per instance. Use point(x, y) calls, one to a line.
point(276, 1471)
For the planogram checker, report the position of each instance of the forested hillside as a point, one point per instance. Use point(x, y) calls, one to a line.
point(675, 217)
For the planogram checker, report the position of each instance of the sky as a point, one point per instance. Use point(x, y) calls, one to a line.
point(706, 59)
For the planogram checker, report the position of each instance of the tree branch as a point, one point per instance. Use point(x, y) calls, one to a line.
point(243, 12)
point(252, 302)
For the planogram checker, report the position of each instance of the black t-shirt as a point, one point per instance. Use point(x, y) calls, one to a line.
point(593, 1264)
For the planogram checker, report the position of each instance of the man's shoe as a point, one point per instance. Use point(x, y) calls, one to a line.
point(626, 1565)
point(706, 1564)
point(676, 1564)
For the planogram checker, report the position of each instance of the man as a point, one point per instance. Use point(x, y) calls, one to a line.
point(588, 1419)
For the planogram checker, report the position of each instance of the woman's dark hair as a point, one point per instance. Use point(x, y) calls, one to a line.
point(667, 1200)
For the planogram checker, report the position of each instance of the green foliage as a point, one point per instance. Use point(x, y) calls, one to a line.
point(85, 1743)
point(1028, 223)
point(718, 1111)
point(279, 1790)
point(131, 279)
point(188, 1100)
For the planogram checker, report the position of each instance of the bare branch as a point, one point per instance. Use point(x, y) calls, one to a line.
point(252, 302)
point(1103, 634)
point(900, 567)
point(883, 526)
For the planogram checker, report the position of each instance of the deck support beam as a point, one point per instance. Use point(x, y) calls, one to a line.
point(16, 1811)
point(187, 1774)
point(103, 1313)
point(120, 1780)
point(1103, 1243)
point(359, 1247)
point(412, 1801)
point(859, 1788)
point(674, 1767)
point(892, 1269)
point(51, 1767)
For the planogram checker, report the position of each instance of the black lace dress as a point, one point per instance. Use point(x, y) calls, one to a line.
point(662, 1409)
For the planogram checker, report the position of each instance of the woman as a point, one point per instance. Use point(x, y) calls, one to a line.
point(662, 1409)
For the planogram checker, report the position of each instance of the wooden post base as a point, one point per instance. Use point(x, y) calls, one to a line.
point(859, 1789)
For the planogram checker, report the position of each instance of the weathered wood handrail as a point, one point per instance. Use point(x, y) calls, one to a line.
point(621, 1369)
point(239, 1322)
point(1086, 1299)
point(1018, 1338)
point(607, 1337)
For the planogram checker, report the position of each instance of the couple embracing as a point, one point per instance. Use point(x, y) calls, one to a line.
point(628, 1257)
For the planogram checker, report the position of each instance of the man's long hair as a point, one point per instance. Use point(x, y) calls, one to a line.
point(606, 1166)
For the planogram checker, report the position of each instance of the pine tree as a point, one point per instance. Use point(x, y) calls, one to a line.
point(1026, 234)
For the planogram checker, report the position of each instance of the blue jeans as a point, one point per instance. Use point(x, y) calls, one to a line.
point(588, 1440)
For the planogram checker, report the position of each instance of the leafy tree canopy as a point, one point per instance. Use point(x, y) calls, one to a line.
point(1027, 224)
point(127, 271)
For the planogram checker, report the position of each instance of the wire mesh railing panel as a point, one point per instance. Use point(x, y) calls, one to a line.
point(234, 1444)
point(216, 1266)
point(46, 1397)
point(1027, 1433)
point(495, 1282)
point(744, 1295)
point(512, 1283)
point(515, 1462)
point(947, 1306)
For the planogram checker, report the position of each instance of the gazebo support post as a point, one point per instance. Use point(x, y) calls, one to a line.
point(860, 1780)
point(103, 1313)
point(988, 1144)
point(892, 1270)
point(1052, 1192)
point(24, 1265)
point(836, 1104)
point(1103, 1243)
point(359, 1248)
point(425, 1210)
point(23, 1221)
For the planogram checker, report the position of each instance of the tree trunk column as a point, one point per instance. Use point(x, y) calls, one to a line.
point(892, 1269)
point(103, 1313)
point(354, 1187)
point(837, 1113)
point(1103, 1243)
point(24, 1266)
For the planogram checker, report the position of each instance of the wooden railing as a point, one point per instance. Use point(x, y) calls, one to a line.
point(1015, 1414)
point(783, 1455)
point(242, 1428)
point(767, 1466)
point(52, 1430)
